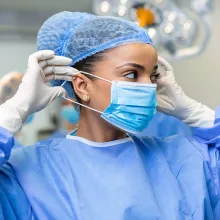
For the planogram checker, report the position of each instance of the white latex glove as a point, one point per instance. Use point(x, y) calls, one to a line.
point(173, 101)
point(33, 93)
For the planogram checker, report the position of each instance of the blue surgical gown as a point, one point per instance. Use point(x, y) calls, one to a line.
point(164, 125)
point(136, 178)
point(59, 133)
point(160, 126)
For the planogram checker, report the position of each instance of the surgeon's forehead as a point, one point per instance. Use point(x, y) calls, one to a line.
point(143, 54)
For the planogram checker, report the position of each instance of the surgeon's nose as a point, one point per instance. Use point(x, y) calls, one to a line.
point(146, 79)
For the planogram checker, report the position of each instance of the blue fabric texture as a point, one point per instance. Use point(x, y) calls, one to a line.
point(174, 178)
point(211, 135)
point(6, 144)
point(162, 126)
point(79, 35)
point(60, 133)
point(217, 115)
point(133, 178)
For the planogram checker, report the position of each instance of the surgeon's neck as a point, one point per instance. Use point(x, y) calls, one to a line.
point(92, 127)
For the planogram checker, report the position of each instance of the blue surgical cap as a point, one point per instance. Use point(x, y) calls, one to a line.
point(79, 35)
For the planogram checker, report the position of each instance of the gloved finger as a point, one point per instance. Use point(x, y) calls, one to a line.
point(55, 61)
point(56, 92)
point(33, 66)
point(58, 77)
point(60, 70)
point(161, 72)
point(161, 81)
point(165, 64)
point(40, 55)
point(165, 81)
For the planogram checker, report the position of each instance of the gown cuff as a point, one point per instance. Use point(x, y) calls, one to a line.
point(210, 135)
point(6, 144)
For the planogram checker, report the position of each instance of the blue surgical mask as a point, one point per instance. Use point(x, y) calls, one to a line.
point(70, 114)
point(132, 105)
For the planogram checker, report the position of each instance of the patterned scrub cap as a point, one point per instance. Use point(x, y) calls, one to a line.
point(79, 35)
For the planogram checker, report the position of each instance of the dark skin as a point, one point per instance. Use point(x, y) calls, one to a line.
point(132, 63)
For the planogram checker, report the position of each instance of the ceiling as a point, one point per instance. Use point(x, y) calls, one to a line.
point(46, 5)
point(24, 17)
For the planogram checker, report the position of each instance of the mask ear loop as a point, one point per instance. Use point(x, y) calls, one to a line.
point(98, 77)
point(80, 103)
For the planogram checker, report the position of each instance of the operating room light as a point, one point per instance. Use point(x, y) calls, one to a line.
point(172, 16)
point(104, 6)
point(154, 36)
point(169, 28)
point(187, 25)
point(158, 1)
point(123, 1)
point(122, 10)
point(172, 28)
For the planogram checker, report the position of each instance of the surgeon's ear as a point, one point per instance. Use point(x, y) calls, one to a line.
point(80, 85)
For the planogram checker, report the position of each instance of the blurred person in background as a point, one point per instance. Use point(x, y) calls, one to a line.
point(69, 117)
point(9, 84)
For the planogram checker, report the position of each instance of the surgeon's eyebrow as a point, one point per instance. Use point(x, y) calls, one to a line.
point(138, 66)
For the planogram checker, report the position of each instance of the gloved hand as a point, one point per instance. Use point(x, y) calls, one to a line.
point(34, 94)
point(173, 101)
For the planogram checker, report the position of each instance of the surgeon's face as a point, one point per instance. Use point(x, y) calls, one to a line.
point(132, 63)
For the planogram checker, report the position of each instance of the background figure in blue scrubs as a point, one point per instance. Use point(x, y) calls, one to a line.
point(9, 84)
point(69, 117)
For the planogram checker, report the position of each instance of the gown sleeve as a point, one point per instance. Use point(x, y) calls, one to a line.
point(211, 135)
point(209, 146)
point(13, 202)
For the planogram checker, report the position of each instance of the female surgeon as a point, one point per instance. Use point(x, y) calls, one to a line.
point(103, 171)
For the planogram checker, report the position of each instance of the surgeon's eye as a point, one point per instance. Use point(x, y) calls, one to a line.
point(154, 77)
point(131, 75)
